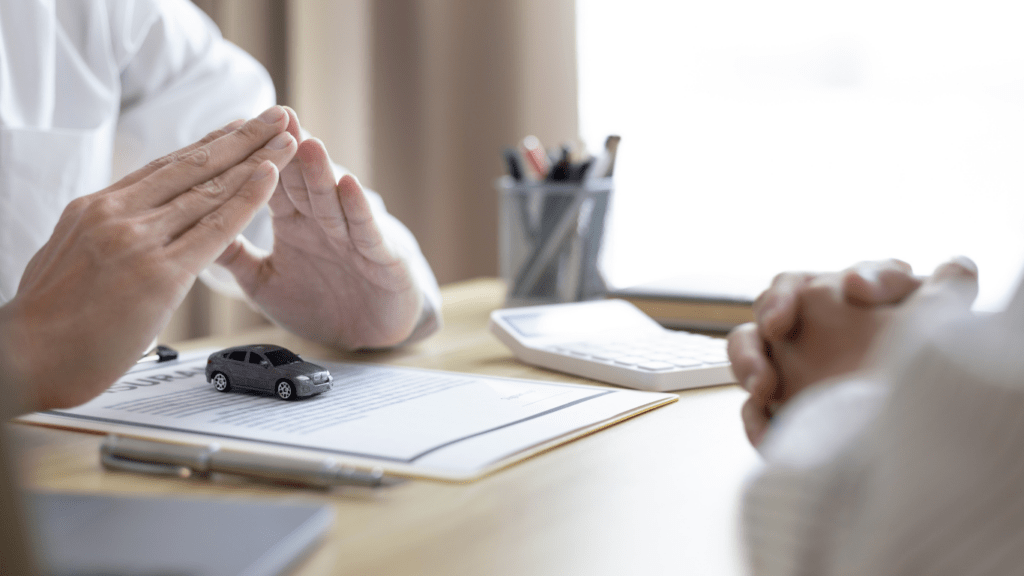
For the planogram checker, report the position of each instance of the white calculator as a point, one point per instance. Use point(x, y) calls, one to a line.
point(612, 341)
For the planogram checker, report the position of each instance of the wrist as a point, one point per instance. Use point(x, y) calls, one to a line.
point(13, 371)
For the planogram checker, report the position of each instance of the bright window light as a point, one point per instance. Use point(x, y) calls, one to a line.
point(767, 136)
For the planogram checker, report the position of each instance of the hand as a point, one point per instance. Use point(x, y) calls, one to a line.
point(331, 276)
point(122, 259)
point(810, 327)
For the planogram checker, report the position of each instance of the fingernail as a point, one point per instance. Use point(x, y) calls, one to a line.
point(967, 263)
point(272, 115)
point(868, 273)
point(280, 141)
point(262, 171)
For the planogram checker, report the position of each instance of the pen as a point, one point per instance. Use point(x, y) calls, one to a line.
point(164, 458)
point(514, 167)
point(604, 167)
point(536, 157)
point(611, 147)
point(551, 240)
point(158, 353)
point(560, 170)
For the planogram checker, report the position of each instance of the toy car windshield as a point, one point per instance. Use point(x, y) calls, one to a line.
point(280, 357)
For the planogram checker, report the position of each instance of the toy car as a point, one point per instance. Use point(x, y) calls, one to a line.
point(266, 368)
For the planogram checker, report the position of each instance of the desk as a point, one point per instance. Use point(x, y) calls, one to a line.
point(656, 494)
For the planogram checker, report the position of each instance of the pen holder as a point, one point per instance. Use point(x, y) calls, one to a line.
point(549, 239)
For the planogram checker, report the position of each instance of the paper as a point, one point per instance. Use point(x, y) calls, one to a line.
point(412, 421)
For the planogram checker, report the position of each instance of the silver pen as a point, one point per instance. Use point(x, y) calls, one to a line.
point(164, 458)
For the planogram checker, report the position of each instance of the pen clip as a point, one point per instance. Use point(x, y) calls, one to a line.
point(137, 455)
point(127, 465)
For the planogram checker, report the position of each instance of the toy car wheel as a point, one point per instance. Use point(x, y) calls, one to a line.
point(220, 382)
point(285, 390)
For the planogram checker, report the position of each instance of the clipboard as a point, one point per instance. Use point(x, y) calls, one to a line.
point(408, 422)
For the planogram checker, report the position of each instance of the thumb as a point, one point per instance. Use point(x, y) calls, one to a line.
point(943, 297)
point(244, 261)
point(879, 282)
point(953, 282)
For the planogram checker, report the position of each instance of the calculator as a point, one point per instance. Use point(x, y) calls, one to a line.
point(612, 341)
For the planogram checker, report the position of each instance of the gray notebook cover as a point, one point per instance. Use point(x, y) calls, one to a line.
point(81, 535)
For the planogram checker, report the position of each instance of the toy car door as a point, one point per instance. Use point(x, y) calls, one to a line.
point(259, 370)
point(237, 369)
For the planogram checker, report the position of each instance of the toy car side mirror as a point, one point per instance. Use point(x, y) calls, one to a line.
point(264, 363)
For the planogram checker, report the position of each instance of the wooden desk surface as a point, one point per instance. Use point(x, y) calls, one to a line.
point(657, 494)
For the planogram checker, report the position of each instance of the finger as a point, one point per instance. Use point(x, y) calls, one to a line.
point(293, 179)
point(211, 235)
point(755, 412)
point(175, 156)
point(323, 191)
point(293, 128)
point(363, 230)
point(750, 366)
point(184, 211)
point(281, 203)
point(746, 353)
point(776, 310)
point(879, 283)
point(208, 161)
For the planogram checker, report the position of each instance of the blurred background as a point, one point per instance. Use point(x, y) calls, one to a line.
point(757, 136)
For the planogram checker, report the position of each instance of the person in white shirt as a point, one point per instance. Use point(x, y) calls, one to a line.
point(891, 422)
point(92, 90)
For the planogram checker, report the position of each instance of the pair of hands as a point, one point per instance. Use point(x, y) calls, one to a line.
point(122, 259)
point(812, 327)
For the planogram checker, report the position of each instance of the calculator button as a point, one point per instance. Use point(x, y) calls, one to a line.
point(627, 360)
point(685, 362)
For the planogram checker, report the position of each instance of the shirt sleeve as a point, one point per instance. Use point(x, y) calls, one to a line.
point(915, 469)
point(180, 80)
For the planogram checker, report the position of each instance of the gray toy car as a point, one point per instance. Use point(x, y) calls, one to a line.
point(266, 368)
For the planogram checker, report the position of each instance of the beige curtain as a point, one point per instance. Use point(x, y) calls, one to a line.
point(418, 98)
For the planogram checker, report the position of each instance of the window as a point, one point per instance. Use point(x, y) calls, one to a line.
point(281, 357)
point(254, 358)
point(766, 136)
point(238, 355)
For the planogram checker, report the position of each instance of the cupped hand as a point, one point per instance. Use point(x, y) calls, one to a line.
point(811, 327)
point(331, 276)
point(122, 259)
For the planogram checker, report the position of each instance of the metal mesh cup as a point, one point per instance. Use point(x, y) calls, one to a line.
point(549, 239)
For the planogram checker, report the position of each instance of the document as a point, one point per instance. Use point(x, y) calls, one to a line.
point(410, 422)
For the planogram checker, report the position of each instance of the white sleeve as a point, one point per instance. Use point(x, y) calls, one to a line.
point(179, 80)
point(920, 476)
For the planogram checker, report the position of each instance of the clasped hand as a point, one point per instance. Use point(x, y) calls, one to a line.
point(812, 327)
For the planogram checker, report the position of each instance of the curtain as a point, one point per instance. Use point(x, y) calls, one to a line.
point(418, 98)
